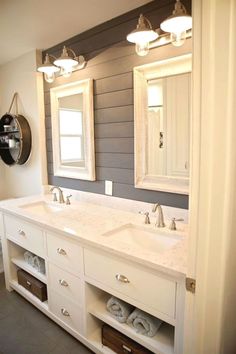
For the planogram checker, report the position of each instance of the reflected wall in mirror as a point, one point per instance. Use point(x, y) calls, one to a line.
point(162, 99)
point(73, 130)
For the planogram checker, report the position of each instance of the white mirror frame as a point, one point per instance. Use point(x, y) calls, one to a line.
point(173, 66)
point(88, 171)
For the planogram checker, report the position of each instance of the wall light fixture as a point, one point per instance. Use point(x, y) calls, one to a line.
point(65, 64)
point(177, 28)
point(177, 24)
point(142, 35)
point(48, 68)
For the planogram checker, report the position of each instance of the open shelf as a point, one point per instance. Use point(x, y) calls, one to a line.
point(26, 294)
point(161, 343)
point(21, 263)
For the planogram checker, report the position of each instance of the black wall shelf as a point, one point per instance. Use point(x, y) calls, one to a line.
point(19, 131)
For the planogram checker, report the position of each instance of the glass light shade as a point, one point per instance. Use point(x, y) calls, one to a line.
point(66, 71)
point(142, 49)
point(49, 77)
point(177, 24)
point(178, 39)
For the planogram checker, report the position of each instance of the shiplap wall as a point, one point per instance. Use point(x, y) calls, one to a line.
point(111, 62)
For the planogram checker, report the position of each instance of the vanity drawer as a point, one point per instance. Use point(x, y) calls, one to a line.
point(66, 310)
point(64, 283)
point(65, 253)
point(25, 234)
point(134, 281)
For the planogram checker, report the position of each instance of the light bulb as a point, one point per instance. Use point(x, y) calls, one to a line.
point(178, 39)
point(49, 76)
point(66, 71)
point(142, 48)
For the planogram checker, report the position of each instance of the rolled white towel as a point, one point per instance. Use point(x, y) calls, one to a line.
point(144, 323)
point(119, 309)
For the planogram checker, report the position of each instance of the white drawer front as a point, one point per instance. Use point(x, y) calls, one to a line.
point(136, 282)
point(25, 234)
point(66, 310)
point(64, 283)
point(65, 253)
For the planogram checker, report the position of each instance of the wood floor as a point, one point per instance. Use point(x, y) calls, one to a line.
point(25, 330)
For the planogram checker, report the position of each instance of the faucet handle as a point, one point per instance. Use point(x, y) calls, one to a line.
point(68, 199)
point(147, 219)
point(173, 223)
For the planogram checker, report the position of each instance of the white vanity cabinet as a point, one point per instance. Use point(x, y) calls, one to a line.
point(80, 279)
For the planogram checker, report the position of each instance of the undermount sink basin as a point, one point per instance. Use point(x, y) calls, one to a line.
point(149, 240)
point(42, 207)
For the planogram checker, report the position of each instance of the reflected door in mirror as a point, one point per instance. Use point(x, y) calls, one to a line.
point(168, 126)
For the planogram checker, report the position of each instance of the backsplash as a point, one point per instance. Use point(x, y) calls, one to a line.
point(111, 65)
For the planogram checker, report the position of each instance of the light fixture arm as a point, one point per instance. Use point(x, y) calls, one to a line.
point(179, 9)
point(143, 23)
point(71, 50)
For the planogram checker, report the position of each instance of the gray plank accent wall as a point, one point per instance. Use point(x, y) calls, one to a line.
point(111, 70)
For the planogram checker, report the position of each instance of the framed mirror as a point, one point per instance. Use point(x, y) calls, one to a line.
point(162, 108)
point(73, 130)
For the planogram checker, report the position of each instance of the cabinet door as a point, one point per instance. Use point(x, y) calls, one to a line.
point(64, 283)
point(65, 253)
point(25, 234)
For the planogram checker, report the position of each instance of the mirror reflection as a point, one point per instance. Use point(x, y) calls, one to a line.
point(71, 130)
point(168, 126)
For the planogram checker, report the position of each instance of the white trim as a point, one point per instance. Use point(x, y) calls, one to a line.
point(210, 315)
point(86, 172)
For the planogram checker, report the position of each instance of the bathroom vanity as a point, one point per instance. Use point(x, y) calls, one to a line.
point(92, 252)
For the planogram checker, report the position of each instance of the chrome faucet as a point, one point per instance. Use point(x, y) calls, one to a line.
point(60, 194)
point(160, 219)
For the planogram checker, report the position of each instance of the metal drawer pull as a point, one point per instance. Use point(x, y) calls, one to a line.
point(65, 312)
point(126, 349)
point(28, 282)
point(63, 282)
point(61, 251)
point(21, 232)
point(122, 278)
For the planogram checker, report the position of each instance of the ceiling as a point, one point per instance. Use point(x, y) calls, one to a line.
point(29, 24)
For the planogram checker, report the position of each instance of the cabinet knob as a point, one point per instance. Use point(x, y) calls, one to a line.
point(61, 251)
point(21, 232)
point(62, 282)
point(65, 312)
point(122, 278)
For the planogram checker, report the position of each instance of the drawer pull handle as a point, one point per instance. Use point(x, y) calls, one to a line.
point(126, 349)
point(65, 312)
point(122, 278)
point(62, 282)
point(28, 282)
point(21, 232)
point(61, 251)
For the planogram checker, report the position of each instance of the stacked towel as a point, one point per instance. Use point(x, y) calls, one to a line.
point(144, 323)
point(119, 309)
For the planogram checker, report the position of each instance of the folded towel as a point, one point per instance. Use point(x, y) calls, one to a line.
point(144, 323)
point(119, 309)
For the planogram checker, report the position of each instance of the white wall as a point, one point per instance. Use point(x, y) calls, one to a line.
point(20, 76)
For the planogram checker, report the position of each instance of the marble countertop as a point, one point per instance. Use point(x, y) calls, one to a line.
point(87, 222)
